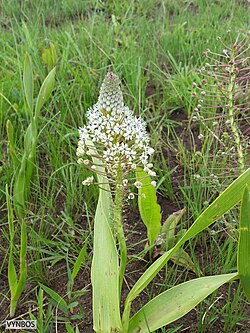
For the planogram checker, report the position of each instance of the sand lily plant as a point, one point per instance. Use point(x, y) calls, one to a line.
point(114, 144)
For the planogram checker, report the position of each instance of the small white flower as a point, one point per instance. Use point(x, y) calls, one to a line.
point(88, 181)
point(153, 183)
point(86, 162)
point(131, 196)
point(125, 182)
point(151, 173)
point(138, 184)
point(80, 161)
point(80, 151)
point(150, 151)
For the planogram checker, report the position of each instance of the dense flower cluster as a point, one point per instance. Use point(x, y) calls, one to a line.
point(120, 138)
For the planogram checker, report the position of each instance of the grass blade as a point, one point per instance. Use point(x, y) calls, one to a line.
point(20, 190)
point(28, 82)
point(244, 244)
point(79, 261)
point(12, 150)
point(12, 275)
point(23, 269)
point(59, 301)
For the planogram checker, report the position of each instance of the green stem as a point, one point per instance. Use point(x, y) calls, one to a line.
point(118, 205)
point(232, 77)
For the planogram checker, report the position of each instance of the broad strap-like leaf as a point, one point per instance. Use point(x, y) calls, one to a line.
point(244, 244)
point(45, 91)
point(149, 209)
point(105, 263)
point(226, 200)
point(175, 303)
point(105, 273)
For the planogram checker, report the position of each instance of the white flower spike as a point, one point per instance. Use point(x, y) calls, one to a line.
point(120, 138)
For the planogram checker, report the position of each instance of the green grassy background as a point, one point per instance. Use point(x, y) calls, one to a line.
point(155, 47)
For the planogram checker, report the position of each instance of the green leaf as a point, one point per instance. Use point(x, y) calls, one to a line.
point(12, 276)
point(69, 328)
point(79, 292)
point(105, 272)
point(21, 282)
point(23, 249)
point(59, 301)
point(244, 244)
point(20, 190)
point(12, 150)
point(72, 305)
point(28, 82)
point(226, 200)
point(182, 258)
point(175, 303)
point(10, 133)
point(45, 91)
point(19, 287)
point(168, 229)
point(16, 286)
point(169, 226)
point(150, 211)
point(77, 316)
point(30, 138)
point(105, 263)
point(79, 261)
point(23, 265)
point(22, 183)
point(49, 56)
point(10, 215)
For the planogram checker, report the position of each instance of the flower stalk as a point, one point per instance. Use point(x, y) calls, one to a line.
point(118, 227)
point(225, 89)
point(231, 110)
